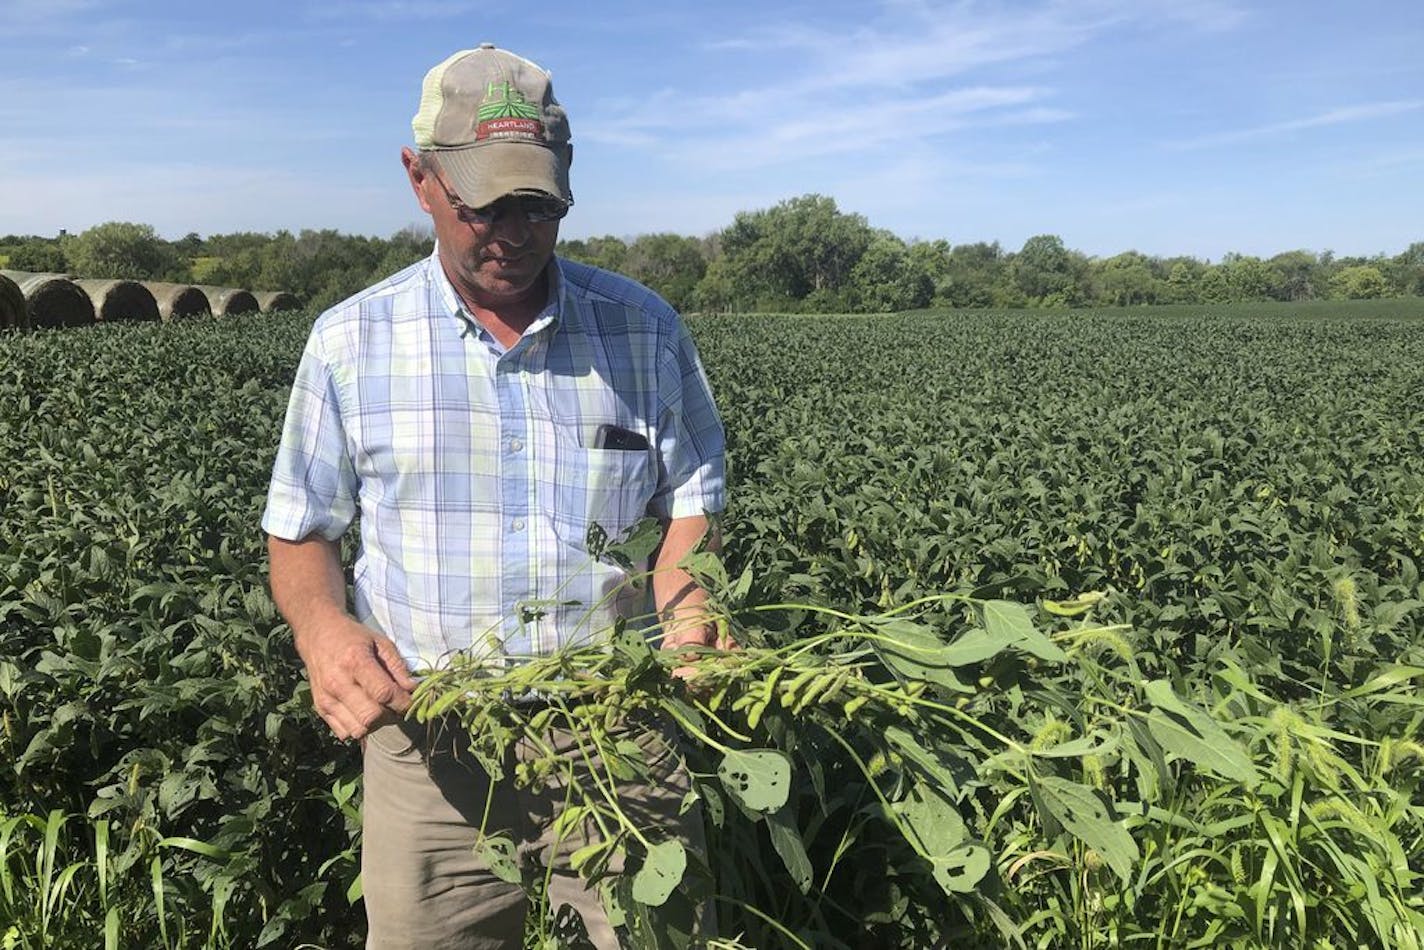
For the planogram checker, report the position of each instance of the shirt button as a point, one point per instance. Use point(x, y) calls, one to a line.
point(518, 524)
point(516, 444)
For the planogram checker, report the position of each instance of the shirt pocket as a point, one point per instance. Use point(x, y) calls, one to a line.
point(607, 487)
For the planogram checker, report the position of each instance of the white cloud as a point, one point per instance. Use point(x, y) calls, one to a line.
point(910, 72)
point(1358, 113)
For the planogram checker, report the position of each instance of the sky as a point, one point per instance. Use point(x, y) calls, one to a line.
point(1198, 127)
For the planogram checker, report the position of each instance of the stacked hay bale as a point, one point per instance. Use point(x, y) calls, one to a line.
point(177, 301)
point(229, 301)
point(116, 300)
point(274, 301)
point(53, 300)
point(12, 306)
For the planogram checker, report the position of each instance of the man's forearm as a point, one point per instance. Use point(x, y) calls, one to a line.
point(308, 584)
point(679, 601)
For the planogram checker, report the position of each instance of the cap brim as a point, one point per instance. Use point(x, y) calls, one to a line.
point(482, 174)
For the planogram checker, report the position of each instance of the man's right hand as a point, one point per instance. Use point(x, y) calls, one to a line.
point(358, 679)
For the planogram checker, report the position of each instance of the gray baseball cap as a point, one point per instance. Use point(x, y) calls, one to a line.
point(491, 118)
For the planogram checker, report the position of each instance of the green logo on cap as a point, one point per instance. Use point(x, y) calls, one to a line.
point(503, 101)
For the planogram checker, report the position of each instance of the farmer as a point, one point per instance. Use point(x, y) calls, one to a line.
point(481, 410)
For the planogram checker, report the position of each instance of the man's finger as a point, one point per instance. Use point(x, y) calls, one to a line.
point(379, 688)
point(395, 666)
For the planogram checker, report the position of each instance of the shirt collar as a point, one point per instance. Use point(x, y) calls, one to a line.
point(559, 309)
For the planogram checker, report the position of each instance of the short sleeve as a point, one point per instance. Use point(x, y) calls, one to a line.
point(314, 487)
point(691, 441)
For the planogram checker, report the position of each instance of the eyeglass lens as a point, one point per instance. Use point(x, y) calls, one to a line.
point(536, 208)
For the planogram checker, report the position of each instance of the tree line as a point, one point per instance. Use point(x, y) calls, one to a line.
point(803, 255)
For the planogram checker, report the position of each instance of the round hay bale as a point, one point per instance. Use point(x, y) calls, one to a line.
point(177, 301)
point(12, 305)
point(272, 301)
point(229, 301)
point(53, 300)
point(116, 300)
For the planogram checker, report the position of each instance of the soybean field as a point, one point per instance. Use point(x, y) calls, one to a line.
point(1134, 596)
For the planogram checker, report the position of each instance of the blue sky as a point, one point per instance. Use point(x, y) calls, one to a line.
point(1165, 126)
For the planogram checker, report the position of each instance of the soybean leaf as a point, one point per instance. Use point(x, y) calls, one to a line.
point(1187, 731)
point(633, 551)
point(1085, 814)
point(946, 770)
point(1008, 619)
point(10, 679)
point(915, 652)
point(498, 854)
point(960, 871)
point(634, 646)
point(760, 779)
point(976, 646)
point(931, 820)
point(660, 874)
point(786, 839)
point(707, 568)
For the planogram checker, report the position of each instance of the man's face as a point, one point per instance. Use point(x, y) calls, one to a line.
point(493, 263)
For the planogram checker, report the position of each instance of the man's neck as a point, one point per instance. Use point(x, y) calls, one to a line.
point(507, 320)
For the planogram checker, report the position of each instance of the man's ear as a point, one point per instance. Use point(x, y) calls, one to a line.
point(415, 171)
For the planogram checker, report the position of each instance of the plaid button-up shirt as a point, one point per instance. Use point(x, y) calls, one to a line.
point(475, 470)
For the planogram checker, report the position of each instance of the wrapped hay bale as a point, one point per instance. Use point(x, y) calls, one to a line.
point(177, 301)
point(116, 300)
point(229, 301)
point(53, 300)
point(273, 301)
point(12, 306)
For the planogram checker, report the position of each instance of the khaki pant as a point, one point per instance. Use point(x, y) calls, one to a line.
point(424, 802)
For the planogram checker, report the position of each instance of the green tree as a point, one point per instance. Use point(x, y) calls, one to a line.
point(889, 278)
point(975, 275)
point(797, 255)
point(1247, 278)
point(1408, 270)
point(1213, 286)
point(670, 264)
point(1184, 280)
point(607, 252)
point(1359, 282)
point(1047, 273)
point(405, 247)
point(1127, 280)
point(120, 249)
point(1295, 275)
point(39, 255)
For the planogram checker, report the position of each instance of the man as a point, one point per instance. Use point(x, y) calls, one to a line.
point(480, 410)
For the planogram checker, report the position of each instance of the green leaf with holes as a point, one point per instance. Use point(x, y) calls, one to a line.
point(760, 779)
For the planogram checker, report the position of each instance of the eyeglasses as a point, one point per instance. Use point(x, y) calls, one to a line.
point(537, 209)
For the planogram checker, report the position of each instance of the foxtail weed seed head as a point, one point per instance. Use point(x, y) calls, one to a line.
point(1346, 596)
point(1283, 724)
point(1395, 752)
point(1052, 732)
